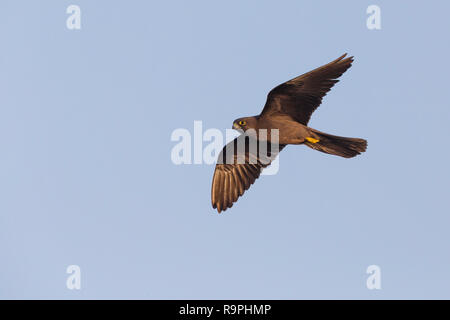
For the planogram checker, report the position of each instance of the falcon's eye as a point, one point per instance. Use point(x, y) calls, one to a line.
point(242, 123)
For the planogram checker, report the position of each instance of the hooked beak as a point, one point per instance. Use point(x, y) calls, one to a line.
point(236, 126)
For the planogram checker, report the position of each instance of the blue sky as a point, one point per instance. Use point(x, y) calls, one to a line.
point(86, 176)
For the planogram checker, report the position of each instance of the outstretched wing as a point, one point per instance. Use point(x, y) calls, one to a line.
point(302, 95)
point(238, 166)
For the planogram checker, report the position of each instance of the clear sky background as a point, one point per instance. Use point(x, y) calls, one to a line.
point(86, 176)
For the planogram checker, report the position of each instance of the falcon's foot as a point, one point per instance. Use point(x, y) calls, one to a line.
point(312, 140)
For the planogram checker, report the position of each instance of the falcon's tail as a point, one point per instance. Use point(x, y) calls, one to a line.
point(339, 146)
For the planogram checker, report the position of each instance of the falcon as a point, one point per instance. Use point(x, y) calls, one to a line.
point(288, 108)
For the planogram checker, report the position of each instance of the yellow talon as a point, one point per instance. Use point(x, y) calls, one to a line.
point(312, 140)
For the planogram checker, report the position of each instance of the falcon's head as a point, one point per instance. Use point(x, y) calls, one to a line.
point(244, 123)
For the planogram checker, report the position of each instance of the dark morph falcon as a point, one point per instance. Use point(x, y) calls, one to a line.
point(288, 108)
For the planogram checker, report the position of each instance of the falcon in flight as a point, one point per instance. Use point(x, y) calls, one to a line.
point(288, 109)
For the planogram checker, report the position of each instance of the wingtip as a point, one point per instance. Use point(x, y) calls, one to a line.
point(345, 55)
point(349, 57)
point(341, 59)
point(220, 207)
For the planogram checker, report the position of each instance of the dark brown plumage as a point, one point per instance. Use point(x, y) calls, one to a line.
point(288, 109)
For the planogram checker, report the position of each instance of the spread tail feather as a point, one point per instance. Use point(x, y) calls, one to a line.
point(339, 146)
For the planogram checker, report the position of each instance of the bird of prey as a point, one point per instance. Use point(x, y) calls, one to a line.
point(288, 108)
